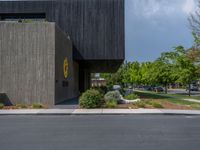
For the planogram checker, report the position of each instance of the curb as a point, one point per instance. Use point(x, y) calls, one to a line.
point(98, 112)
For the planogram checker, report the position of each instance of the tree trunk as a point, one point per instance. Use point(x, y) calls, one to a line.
point(189, 90)
point(165, 88)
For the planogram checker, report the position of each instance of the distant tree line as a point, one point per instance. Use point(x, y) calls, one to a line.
point(179, 65)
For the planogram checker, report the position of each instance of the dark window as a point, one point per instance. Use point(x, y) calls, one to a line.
point(22, 16)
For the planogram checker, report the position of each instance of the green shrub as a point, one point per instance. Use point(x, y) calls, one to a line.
point(91, 99)
point(21, 106)
point(112, 95)
point(111, 103)
point(148, 102)
point(131, 97)
point(109, 87)
point(37, 106)
point(1, 105)
point(195, 106)
point(156, 105)
point(102, 89)
point(128, 92)
point(140, 104)
point(122, 91)
point(27, 21)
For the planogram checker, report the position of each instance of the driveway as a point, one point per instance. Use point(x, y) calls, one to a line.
point(105, 132)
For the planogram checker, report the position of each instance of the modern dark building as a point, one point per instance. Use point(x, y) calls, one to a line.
point(49, 48)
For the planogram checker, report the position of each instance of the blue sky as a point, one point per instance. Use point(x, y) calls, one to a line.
point(154, 26)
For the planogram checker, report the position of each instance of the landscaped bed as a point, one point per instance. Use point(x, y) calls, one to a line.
point(135, 100)
point(159, 104)
point(150, 100)
point(23, 106)
point(154, 100)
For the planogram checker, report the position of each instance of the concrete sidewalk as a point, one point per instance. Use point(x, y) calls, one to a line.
point(192, 100)
point(97, 112)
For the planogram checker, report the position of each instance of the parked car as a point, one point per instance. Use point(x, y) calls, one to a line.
point(158, 89)
point(148, 88)
point(140, 87)
point(130, 87)
point(192, 88)
point(116, 87)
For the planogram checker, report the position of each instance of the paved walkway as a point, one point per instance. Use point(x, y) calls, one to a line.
point(97, 112)
point(68, 104)
point(170, 96)
point(192, 100)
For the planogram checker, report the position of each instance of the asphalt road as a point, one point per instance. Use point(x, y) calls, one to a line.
point(131, 132)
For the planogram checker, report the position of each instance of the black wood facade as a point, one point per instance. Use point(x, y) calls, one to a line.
point(96, 27)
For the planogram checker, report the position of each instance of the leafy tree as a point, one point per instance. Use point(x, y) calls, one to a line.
point(126, 78)
point(194, 52)
point(111, 79)
point(161, 73)
point(170, 67)
point(146, 73)
point(194, 20)
point(120, 77)
point(134, 73)
point(196, 40)
point(186, 70)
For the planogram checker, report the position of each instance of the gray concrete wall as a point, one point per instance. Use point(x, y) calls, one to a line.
point(27, 62)
point(63, 49)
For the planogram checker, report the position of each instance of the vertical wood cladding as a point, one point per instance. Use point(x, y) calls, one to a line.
point(63, 49)
point(27, 62)
point(96, 27)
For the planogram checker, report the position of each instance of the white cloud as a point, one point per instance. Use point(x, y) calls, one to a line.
point(151, 8)
point(156, 26)
point(189, 6)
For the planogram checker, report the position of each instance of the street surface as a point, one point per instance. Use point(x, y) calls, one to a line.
point(104, 132)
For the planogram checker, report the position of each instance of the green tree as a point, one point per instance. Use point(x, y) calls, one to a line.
point(161, 73)
point(134, 73)
point(126, 78)
point(120, 77)
point(145, 71)
point(194, 20)
point(185, 68)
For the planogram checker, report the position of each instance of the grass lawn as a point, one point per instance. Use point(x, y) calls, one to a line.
point(164, 96)
point(185, 96)
point(170, 101)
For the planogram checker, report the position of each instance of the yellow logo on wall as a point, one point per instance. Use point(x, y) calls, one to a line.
point(65, 68)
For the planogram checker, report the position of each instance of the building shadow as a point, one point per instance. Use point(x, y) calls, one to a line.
point(68, 104)
point(5, 99)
